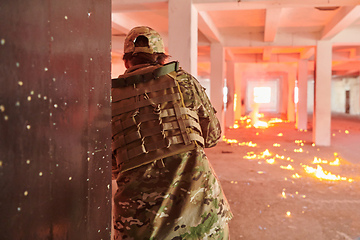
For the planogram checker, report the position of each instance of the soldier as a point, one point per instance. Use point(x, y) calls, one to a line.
point(161, 121)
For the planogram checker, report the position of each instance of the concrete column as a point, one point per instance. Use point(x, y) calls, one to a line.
point(322, 94)
point(284, 96)
point(290, 97)
point(237, 90)
point(243, 98)
point(301, 114)
point(230, 80)
point(217, 55)
point(358, 111)
point(183, 34)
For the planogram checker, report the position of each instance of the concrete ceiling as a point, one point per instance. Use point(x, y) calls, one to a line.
point(256, 31)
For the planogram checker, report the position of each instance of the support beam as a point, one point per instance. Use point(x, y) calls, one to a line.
point(137, 5)
point(208, 28)
point(267, 54)
point(353, 52)
point(301, 113)
point(272, 20)
point(183, 27)
point(344, 18)
point(322, 94)
point(348, 37)
point(303, 39)
point(217, 56)
point(229, 56)
point(122, 23)
point(223, 5)
point(307, 53)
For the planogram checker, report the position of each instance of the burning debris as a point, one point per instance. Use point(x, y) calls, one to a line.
point(266, 156)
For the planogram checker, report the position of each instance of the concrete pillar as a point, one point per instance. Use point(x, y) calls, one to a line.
point(230, 81)
point(237, 90)
point(217, 55)
point(322, 94)
point(290, 97)
point(284, 96)
point(242, 96)
point(301, 114)
point(183, 34)
point(358, 111)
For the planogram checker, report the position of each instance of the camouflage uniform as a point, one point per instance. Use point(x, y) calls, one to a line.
point(182, 199)
point(176, 197)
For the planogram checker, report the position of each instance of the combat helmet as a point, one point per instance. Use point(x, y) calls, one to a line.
point(155, 41)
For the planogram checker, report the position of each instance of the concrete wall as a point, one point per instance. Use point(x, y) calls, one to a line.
point(338, 89)
point(55, 144)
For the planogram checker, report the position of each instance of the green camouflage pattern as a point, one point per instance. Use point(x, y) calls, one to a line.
point(181, 197)
point(155, 41)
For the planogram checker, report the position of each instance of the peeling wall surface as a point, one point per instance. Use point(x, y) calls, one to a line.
point(55, 145)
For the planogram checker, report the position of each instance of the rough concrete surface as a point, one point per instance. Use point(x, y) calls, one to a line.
point(270, 202)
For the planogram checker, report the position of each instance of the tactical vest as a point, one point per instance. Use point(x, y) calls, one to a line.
point(149, 118)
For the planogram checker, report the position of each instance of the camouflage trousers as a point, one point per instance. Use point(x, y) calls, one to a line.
point(182, 201)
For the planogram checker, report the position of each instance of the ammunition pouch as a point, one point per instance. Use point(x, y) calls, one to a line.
point(149, 118)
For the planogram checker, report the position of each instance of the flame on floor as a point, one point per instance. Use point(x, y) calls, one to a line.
point(288, 167)
point(320, 173)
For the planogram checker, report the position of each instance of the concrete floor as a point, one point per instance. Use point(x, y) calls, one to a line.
point(270, 202)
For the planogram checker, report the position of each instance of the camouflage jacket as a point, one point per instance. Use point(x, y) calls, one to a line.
point(182, 200)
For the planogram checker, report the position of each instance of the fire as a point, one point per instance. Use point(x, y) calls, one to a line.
point(336, 162)
point(296, 175)
point(270, 161)
point(322, 174)
point(280, 134)
point(275, 120)
point(231, 141)
point(266, 153)
point(250, 144)
point(260, 124)
point(252, 155)
point(234, 141)
point(300, 142)
point(288, 167)
point(318, 160)
point(298, 150)
point(276, 145)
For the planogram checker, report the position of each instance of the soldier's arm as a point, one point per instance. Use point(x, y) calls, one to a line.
point(210, 125)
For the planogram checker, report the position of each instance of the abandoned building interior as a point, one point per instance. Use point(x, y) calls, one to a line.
point(295, 60)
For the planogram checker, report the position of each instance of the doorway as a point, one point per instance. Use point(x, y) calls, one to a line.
point(347, 102)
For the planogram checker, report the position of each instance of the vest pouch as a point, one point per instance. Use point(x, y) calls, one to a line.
point(150, 120)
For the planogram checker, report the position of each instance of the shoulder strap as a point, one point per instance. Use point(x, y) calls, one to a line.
point(124, 81)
